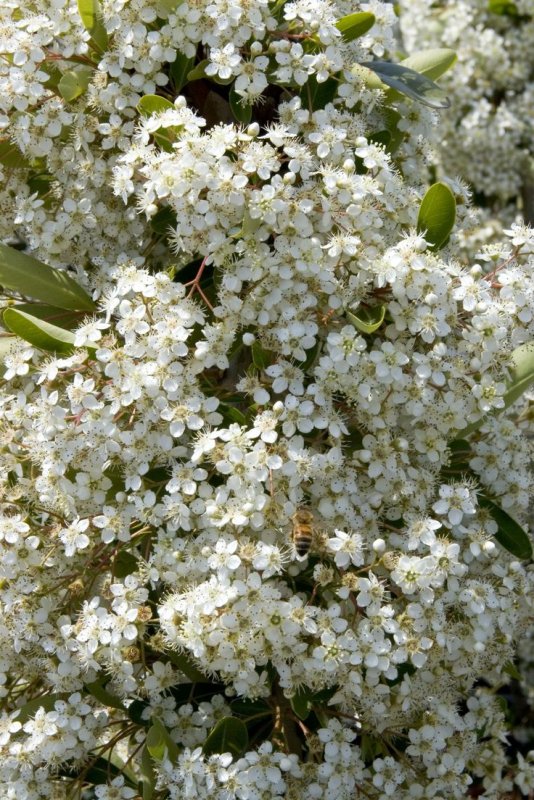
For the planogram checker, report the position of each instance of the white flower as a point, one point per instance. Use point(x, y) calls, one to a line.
point(74, 537)
point(348, 548)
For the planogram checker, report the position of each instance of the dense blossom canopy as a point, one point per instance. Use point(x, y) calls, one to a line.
point(487, 137)
point(272, 332)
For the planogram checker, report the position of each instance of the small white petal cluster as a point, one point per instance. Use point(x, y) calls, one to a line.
point(487, 136)
point(271, 335)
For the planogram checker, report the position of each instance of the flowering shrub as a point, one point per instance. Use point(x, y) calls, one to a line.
point(488, 136)
point(269, 348)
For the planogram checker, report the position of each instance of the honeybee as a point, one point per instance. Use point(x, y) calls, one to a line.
point(302, 533)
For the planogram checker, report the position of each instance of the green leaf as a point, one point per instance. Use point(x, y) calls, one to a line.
point(241, 112)
point(521, 378)
point(153, 104)
point(166, 7)
point(248, 228)
point(367, 320)
point(460, 447)
point(148, 775)
point(393, 118)
point(510, 533)
point(124, 564)
point(159, 743)
point(11, 157)
point(437, 215)
point(30, 709)
point(53, 314)
point(180, 69)
point(198, 72)
point(354, 25)
point(28, 276)
point(39, 333)
point(503, 8)
point(229, 735)
point(259, 357)
point(186, 666)
point(431, 63)
point(103, 696)
point(135, 712)
point(40, 184)
point(163, 220)
point(522, 373)
point(92, 20)
point(311, 355)
point(301, 704)
point(317, 95)
point(409, 82)
point(511, 670)
point(233, 414)
point(74, 83)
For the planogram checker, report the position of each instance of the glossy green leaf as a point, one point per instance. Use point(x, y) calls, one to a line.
point(437, 215)
point(153, 104)
point(240, 111)
point(248, 227)
point(92, 20)
point(229, 735)
point(367, 320)
point(510, 533)
point(393, 118)
point(159, 743)
point(521, 379)
point(74, 83)
point(135, 712)
point(40, 183)
point(166, 7)
point(103, 696)
point(431, 63)
point(312, 355)
point(198, 72)
point(124, 564)
point(409, 82)
point(53, 314)
point(185, 664)
point(259, 357)
point(28, 276)
point(460, 448)
point(180, 69)
point(315, 95)
point(54, 74)
point(11, 157)
point(503, 8)
point(148, 775)
point(301, 704)
point(30, 709)
point(354, 25)
point(511, 670)
point(163, 220)
point(522, 373)
point(39, 333)
point(232, 414)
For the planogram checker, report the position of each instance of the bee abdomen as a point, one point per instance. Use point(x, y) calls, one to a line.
point(302, 531)
point(303, 543)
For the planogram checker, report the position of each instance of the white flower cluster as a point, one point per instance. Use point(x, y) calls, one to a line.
point(487, 136)
point(305, 349)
